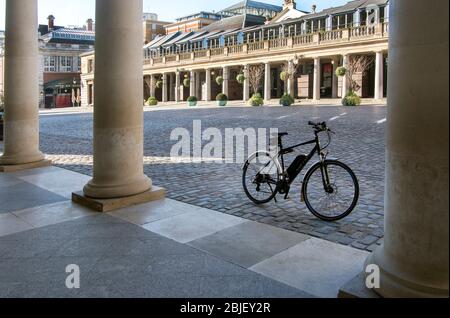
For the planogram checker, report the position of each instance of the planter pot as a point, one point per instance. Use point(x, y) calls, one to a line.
point(192, 104)
point(285, 104)
point(222, 103)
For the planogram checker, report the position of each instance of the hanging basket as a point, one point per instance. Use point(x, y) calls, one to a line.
point(240, 78)
point(219, 80)
point(341, 71)
point(186, 82)
point(159, 84)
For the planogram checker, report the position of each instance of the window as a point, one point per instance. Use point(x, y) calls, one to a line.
point(65, 63)
point(50, 64)
point(90, 66)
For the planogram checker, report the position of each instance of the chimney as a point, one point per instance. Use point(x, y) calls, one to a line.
point(51, 22)
point(90, 25)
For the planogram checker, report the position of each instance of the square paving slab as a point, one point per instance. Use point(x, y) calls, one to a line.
point(249, 243)
point(24, 195)
point(315, 266)
point(190, 226)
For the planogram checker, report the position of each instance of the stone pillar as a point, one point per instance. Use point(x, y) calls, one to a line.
point(118, 114)
point(177, 87)
point(317, 75)
point(267, 82)
point(345, 82)
point(152, 86)
point(335, 85)
point(208, 84)
point(414, 259)
point(192, 83)
point(171, 88)
point(246, 85)
point(290, 80)
point(165, 88)
point(379, 75)
point(198, 86)
point(226, 77)
point(21, 121)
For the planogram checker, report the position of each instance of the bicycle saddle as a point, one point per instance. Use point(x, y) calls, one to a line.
point(282, 134)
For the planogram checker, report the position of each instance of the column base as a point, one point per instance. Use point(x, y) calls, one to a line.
point(356, 288)
point(25, 166)
point(108, 205)
point(395, 285)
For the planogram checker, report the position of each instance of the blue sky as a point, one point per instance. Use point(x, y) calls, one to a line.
point(76, 12)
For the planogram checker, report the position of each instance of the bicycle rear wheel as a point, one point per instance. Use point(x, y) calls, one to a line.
point(261, 178)
point(336, 200)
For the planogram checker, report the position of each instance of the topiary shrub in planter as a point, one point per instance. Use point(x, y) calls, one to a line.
point(284, 76)
point(351, 99)
point(219, 80)
point(222, 99)
point(192, 101)
point(186, 82)
point(341, 71)
point(240, 78)
point(152, 101)
point(256, 100)
point(287, 100)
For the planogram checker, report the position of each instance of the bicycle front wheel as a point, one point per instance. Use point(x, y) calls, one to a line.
point(330, 190)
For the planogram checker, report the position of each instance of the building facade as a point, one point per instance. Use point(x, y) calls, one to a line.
point(60, 63)
point(317, 43)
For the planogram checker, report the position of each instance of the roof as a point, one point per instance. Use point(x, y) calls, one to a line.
point(72, 36)
point(236, 22)
point(43, 29)
point(348, 7)
point(253, 4)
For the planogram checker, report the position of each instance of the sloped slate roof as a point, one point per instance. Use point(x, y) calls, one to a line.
point(348, 7)
point(236, 22)
point(253, 4)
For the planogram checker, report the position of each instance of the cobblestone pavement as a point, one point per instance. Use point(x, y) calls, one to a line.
point(359, 142)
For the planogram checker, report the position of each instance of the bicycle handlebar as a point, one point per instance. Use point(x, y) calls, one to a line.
point(320, 126)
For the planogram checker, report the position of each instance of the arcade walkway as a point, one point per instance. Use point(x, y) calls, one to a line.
point(160, 249)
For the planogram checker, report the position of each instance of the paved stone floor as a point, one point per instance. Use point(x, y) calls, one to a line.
point(164, 248)
point(359, 142)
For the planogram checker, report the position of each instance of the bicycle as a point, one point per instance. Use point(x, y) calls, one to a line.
point(330, 189)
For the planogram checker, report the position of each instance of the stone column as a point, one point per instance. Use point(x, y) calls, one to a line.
point(177, 87)
point(345, 82)
point(226, 76)
point(21, 121)
point(267, 82)
point(335, 85)
point(317, 74)
point(246, 85)
point(414, 259)
point(165, 89)
point(152, 86)
point(208, 84)
point(290, 80)
point(171, 89)
point(379, 75)
point(118, 114)
point(192, 83)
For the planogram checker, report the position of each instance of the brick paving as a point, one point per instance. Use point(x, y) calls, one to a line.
point(359, 142)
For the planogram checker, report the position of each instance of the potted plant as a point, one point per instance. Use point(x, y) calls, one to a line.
point(287, 100)
point(240, 78)
point(219, 80)
point(351, 99)
point(284, 76)
point(192, 101)
point(222, 100)
point(341, 71)
point(159, 84)
point(186, 82)
point(256, 100)
point(152, 101)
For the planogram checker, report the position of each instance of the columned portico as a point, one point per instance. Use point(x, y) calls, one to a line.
point(246, 84)
point(414, 258)
point(226, 77)
point(379, 75)
point(177, 87)
point(267, 82)
point(316, 80)
point(118, 114)
point(21, 121)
